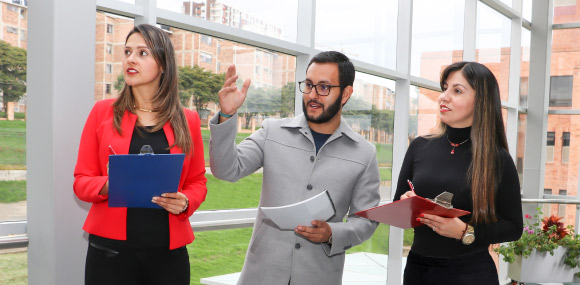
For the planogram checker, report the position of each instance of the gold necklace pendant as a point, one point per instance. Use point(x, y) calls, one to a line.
point(141, 109)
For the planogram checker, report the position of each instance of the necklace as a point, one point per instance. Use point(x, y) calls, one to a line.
point(454, 145)
point(141, 109)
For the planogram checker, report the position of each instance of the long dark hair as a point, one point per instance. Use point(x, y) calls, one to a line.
point(166, 100)
point(487, 136)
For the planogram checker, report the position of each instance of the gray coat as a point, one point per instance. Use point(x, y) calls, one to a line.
point(346, 166)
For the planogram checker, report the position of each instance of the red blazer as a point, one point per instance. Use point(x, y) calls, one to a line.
point(91, 173)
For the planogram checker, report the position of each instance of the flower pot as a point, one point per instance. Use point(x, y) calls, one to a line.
point(542, 267)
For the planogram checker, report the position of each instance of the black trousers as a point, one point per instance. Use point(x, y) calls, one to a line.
point(128, 266)
point(473, 269)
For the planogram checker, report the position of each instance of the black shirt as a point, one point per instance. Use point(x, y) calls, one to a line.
point(319, 139)
point(432, 168)
point(146, 227)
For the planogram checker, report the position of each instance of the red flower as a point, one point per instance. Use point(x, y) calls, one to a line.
point(528, 216)
point(560, 232)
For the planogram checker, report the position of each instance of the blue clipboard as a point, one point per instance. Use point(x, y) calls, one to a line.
point(134, 179)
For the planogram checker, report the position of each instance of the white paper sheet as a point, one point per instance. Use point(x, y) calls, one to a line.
point(288, 217)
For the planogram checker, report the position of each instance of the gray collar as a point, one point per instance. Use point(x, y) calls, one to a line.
point(300, 122)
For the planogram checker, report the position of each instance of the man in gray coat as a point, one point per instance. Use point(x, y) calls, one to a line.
point(301, 157)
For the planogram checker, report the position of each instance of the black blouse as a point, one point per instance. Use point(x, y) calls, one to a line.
point(432, 168)
point(146, 227)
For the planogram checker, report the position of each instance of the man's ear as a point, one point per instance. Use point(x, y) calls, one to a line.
point(346, 94)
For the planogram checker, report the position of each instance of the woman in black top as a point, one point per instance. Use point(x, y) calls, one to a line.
point(469, 158)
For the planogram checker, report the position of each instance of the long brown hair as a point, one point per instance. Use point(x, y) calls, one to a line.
point(487, 136)
point(166, 100)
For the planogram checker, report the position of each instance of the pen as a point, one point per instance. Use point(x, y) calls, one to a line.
point(112, 151)
point(411, 185)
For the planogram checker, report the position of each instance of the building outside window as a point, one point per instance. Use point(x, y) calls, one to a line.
point(108, 88)
point(205, 57)
point(109, 29)
point(109, 68)
point(551, 139)
point(561, 91)
point(12, 30)
point(206, 39)
point(523, 91)
point(565, 147)
point(109, 49)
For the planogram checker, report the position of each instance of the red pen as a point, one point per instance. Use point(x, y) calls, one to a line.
point(411, 185)
point(112, 151)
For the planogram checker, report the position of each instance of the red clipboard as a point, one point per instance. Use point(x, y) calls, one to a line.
point(404, 213)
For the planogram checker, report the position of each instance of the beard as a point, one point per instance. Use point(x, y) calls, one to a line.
point(327, 114)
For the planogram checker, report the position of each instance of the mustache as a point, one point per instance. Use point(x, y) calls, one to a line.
point(313, 101)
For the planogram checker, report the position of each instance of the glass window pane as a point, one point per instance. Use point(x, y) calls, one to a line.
point(527, 10)
point(521, 147)
point(563, 81)
point(507, 2)
point(493, 45)
point(424, 112)
point(565, 11)
point(276, 19)
point(437, 41)
point(370, 112)
point(525, 67)
point(217, 253)
point(363, 32)
point(111, 31)
point(272, 94)
point(13, 103)
point(563, 161)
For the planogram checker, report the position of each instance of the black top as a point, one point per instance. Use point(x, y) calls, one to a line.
point(432, 168)
point(146, 227)
point(319, 139)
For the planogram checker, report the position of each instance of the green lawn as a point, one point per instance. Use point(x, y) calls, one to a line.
point(226, 195)
point(14, 268)
point(12, 191)
point(17, 116)
point(12, 144)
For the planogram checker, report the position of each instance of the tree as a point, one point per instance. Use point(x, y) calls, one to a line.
point(12, 72)
point(202, 85)
point(120, 83)
point(287, 99)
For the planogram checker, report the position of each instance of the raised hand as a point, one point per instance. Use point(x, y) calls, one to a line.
point(230, 97)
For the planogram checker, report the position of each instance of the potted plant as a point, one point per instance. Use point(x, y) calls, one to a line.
point(546, 252)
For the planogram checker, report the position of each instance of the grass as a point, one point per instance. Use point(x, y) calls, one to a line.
point(226, 195)
point(17, 116)
point(12, 191)
point(14, 268)
point(385, 174)
point(12, 144)
point(218, 252)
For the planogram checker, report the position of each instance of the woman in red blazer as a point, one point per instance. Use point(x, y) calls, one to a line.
point(141, 245)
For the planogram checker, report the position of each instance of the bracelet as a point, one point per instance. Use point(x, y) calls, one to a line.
point(464, 231)
point(225, 115)
point(186, 205)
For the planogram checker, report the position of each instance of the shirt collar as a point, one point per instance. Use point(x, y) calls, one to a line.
point(300, 122)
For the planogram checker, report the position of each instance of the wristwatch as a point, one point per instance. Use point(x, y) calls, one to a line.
point(469, 236)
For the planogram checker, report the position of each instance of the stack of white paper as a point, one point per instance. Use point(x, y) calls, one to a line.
point(288, 217)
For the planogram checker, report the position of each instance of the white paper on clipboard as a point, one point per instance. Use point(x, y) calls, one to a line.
point(288, 217)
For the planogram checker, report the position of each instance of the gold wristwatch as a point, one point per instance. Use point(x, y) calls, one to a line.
point(469, 236)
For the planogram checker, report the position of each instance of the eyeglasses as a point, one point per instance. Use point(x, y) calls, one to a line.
point(321, 89)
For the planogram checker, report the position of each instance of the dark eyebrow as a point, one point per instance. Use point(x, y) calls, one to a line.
point(459, 84)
